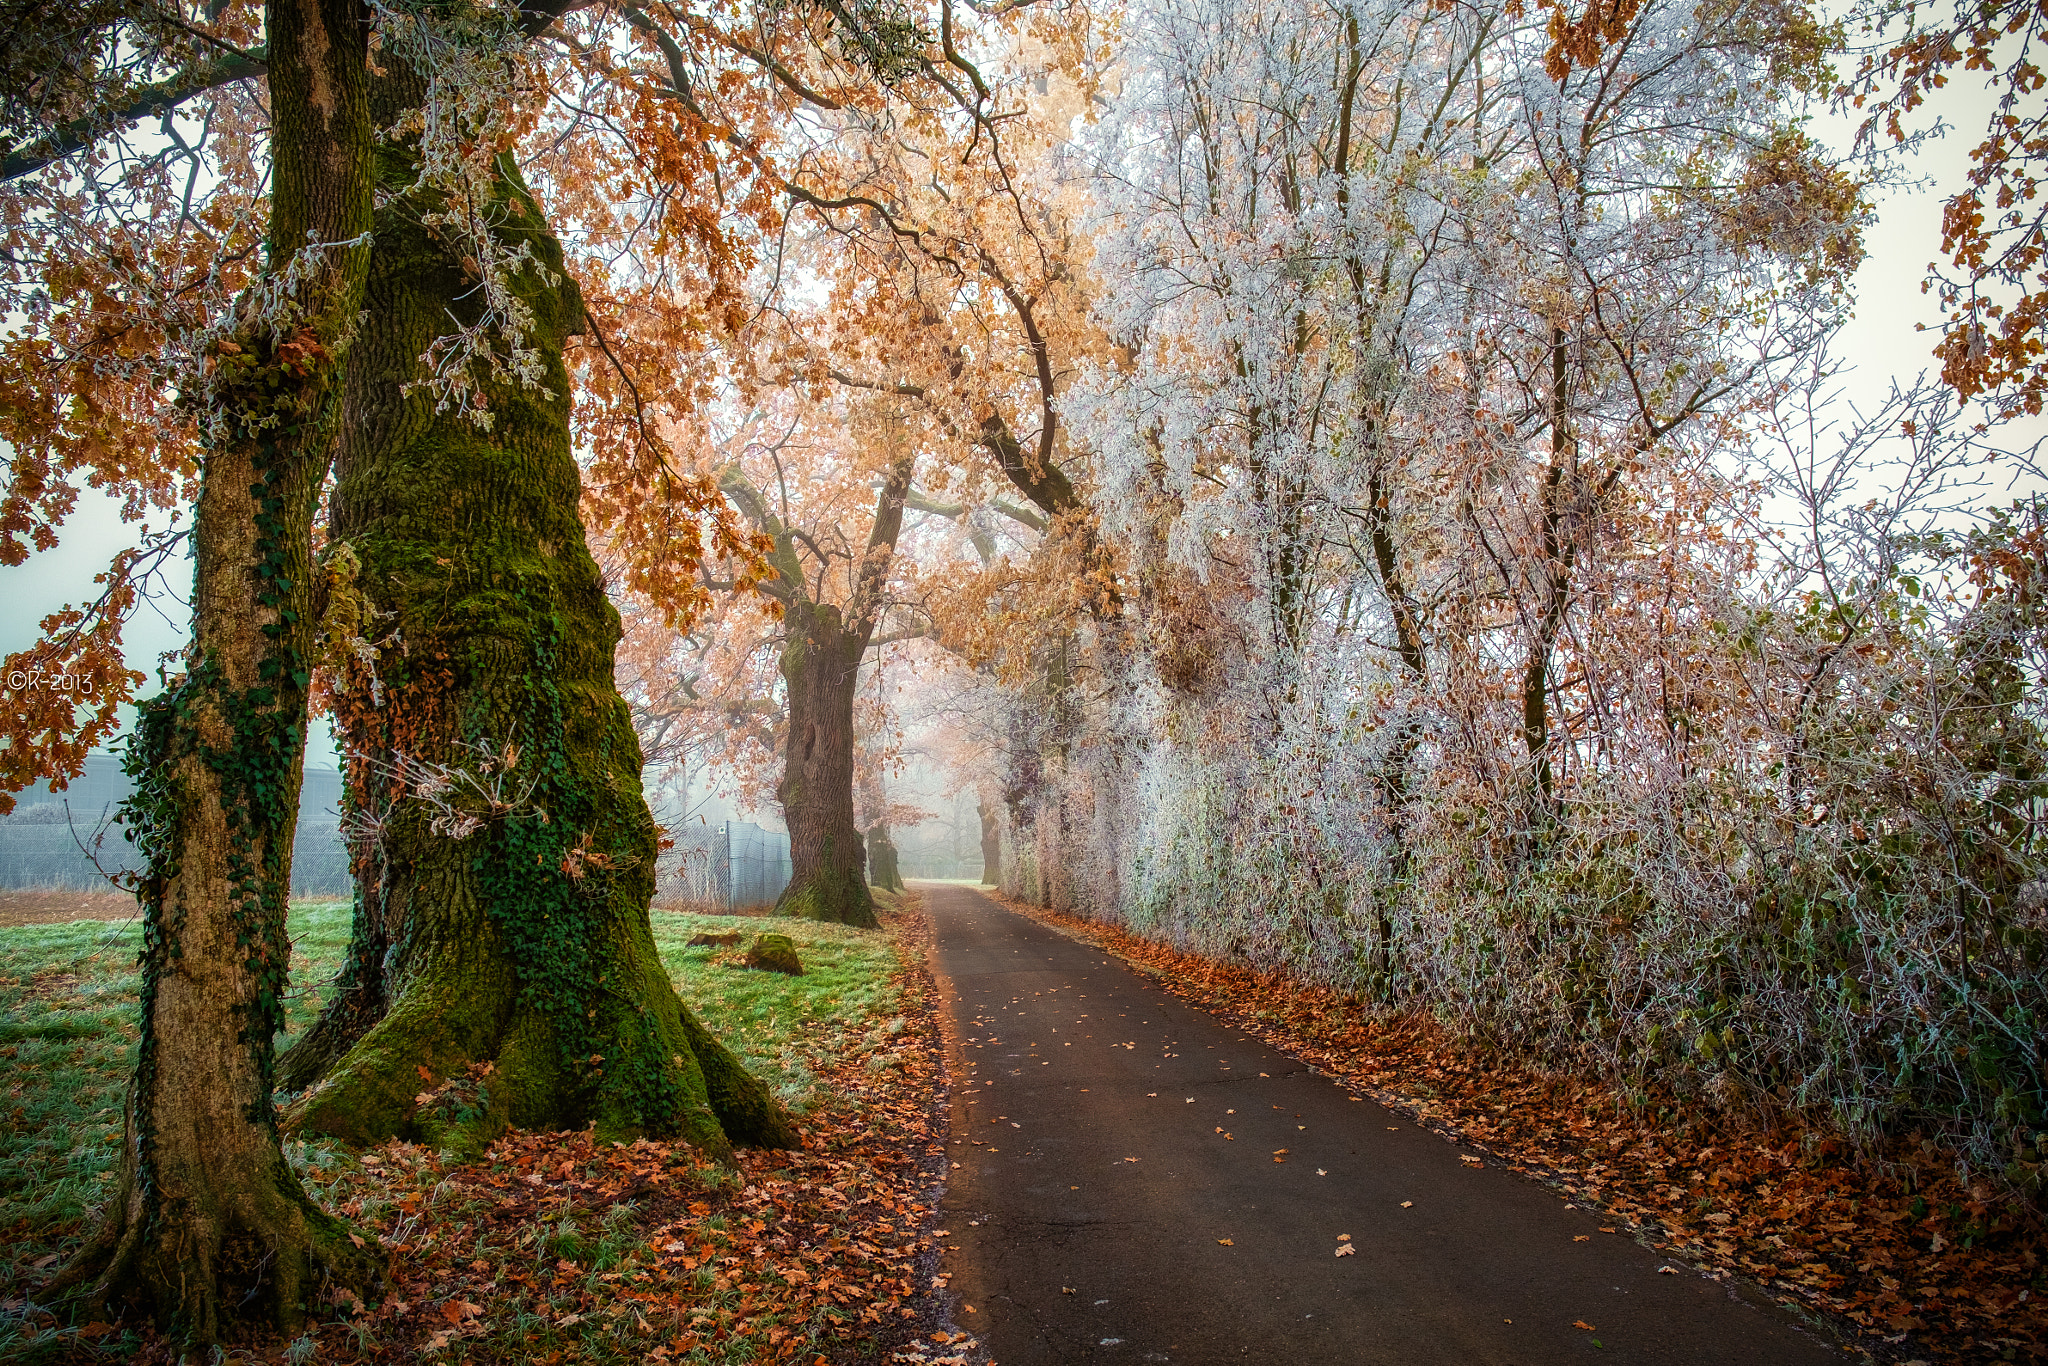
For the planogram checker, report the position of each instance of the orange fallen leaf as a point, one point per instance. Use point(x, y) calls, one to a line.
point(1346, 1250)
point(1226, 1242)
point(1582, 1237)
point(1581, 1323)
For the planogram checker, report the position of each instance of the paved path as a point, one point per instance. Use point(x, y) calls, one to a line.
point(1110, 1137)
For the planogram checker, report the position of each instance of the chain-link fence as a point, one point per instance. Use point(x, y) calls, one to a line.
point(67, 840)
point(736, 866)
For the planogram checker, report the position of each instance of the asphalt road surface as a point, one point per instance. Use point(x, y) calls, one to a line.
point(1139, 1182)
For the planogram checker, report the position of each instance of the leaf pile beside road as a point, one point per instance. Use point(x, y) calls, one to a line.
point(555, 1248)
point(1916, 1262)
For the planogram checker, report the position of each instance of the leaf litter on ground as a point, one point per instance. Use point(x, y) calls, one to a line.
point(555, 1247)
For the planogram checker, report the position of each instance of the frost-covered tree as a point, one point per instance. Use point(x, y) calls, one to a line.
point(1507, 623)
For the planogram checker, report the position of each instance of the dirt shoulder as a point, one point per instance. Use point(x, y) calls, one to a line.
point(46, 907)
point(1909, 1260)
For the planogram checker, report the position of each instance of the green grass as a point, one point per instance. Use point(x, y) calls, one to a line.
point(68, 995)
point(765, 1017)
point(67, 1002)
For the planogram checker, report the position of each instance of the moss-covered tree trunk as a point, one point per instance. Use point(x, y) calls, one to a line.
point(502, 969)
point(208, 1227)
point(821, 654)
point(827, 857)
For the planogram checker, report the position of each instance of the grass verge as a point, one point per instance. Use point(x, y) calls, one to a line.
point(550, 1247)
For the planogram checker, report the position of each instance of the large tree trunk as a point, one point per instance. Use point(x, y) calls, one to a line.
point(209, 1226)
point(502, 969)
point(828, 861)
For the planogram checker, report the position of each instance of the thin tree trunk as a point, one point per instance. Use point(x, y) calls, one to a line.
point(883, 870)
point(502, 969)
point(209, 1227)
point(1558, 551)
point(991, 846)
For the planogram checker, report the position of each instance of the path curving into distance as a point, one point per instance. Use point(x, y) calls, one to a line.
point(1110, 1137)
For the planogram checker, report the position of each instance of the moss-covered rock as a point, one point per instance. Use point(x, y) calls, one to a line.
point(774, 953)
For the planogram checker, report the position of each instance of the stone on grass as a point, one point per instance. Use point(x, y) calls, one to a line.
point(774, 953)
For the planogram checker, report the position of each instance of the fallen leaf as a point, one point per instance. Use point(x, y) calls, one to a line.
point(1346, 1250)
point(1609, 1230)
point(1321, 1172)
point(1581, 1323)
point(1667, 1271)
point(1407, 1204)
point(1582, 1237)
point(1226, 1242)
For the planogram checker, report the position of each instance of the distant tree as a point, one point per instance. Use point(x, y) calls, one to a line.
point(831, 580)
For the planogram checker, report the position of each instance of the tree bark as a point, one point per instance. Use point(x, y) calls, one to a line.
point(821, 654)
point(502, 969)
point(828, 862)
point(209, 1228)
point(882, 865)
point(991, 846)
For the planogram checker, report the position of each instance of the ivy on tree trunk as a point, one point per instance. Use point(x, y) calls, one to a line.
point(209, 1227)
point(991, 845)
point(502, 969)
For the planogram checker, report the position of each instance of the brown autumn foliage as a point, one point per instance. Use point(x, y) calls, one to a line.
point(1994, 286)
